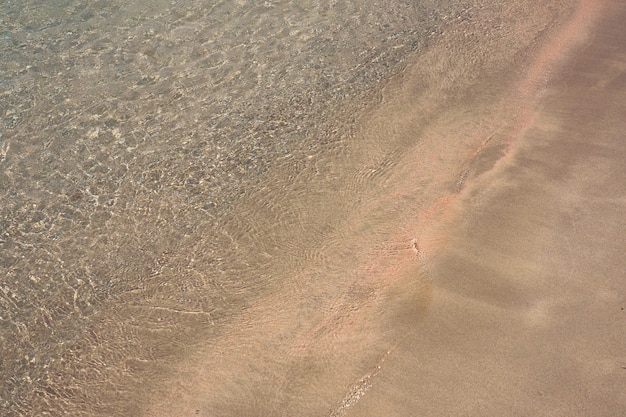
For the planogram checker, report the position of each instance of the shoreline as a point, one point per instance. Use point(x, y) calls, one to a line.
point(375, 263)
point(337, 262)
point(129, 133)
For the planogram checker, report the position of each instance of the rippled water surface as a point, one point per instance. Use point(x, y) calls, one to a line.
point(178, 177)
point(130, 130)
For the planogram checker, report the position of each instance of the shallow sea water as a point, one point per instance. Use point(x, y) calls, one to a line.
point(129, 133)
point(185, 188)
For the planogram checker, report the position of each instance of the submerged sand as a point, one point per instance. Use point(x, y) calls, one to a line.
point(473, 266)
point(456, 250)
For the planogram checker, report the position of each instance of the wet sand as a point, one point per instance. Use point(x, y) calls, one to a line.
point(528, 316)
point(452, 281)
point(454, 250)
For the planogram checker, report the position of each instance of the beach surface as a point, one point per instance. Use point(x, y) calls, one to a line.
point(315, 209)
point(528, 316)
point(473, 266)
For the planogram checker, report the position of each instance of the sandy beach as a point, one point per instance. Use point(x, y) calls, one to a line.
point(527, 316)
point(500, 294)
point(320, 209)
